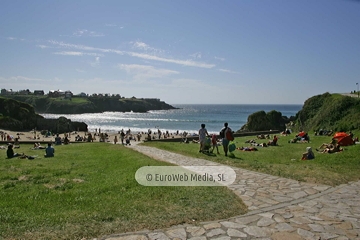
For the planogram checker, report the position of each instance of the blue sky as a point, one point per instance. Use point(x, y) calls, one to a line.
point(235, 51)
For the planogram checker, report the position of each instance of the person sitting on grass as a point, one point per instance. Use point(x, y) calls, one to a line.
point(261, 136)
point(259, 144)
point(335, 149)
point(37, 146)
point(306, 137)
point(351, 134)
point(273, 142)
point(185, 140)
point(332, 144)
point(10, 152)
point(308, 155)
point(16, 141)
point(49, 151)
point(295, 140)
point(66, 140)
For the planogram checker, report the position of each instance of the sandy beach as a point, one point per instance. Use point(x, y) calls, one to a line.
point(37, 137)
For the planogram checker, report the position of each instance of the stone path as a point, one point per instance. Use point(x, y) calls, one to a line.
point(280, 208)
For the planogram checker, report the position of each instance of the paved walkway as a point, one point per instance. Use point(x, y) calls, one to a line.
point(280, 208)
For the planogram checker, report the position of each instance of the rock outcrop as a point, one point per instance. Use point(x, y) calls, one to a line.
point(261, 121)
point(18, 116)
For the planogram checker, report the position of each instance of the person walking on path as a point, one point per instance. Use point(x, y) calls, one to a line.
point(202, 137)
point(227, 136)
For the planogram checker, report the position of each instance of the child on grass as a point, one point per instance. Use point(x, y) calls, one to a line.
point(214, 143)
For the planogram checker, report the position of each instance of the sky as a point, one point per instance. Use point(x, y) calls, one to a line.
point(183, 51)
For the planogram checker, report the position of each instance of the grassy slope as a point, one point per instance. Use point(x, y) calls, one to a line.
point(332, 169)
point(39, 199)
point(330, 111)
point(74, 100)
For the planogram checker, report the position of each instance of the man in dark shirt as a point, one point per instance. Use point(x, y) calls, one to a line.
point(10, 152)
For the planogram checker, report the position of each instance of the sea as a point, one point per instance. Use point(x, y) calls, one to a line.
point(187, 117)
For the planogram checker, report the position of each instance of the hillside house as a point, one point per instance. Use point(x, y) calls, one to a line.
point(68, 94)
point(39, 92)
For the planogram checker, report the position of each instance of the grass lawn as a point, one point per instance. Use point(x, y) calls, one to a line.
point(89, 190)
point(332, 169)
point(74, 100)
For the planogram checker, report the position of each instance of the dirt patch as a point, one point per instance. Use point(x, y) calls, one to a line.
point(77, 180)
point(23, 178)
point(51, 186)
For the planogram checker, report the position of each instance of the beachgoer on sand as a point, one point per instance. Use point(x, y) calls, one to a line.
point(66, 141)
point(57, 140)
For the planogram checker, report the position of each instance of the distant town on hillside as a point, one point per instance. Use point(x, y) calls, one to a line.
point(63, 94)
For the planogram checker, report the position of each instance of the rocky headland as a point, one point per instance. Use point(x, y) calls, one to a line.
point(326, 111)
point(18, 116)
point(91, 104)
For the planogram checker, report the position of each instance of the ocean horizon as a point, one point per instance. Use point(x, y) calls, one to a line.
point(187, 117)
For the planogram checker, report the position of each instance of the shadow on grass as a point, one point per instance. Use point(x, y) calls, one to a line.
point(233, 156)
point(230, 155)
point(209, 153)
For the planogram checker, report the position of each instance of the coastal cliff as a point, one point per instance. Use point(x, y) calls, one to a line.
point(77, 105)
point(18, 116)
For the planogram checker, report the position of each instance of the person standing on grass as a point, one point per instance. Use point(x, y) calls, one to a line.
point(202, 137)
point(214, 143)
point(227, 136)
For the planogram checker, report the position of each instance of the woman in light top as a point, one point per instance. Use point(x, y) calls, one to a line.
point(202, 137)
point(308, 155)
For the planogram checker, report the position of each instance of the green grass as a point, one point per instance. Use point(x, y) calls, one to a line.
point(89, 190)
point(331, 169)
point(74, 100)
